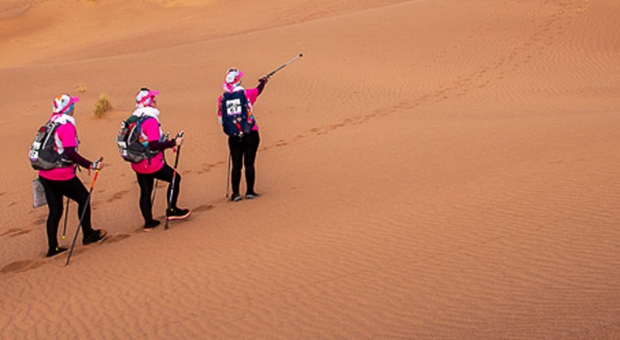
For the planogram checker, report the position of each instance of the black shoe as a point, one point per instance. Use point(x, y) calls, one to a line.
point(94, 237)
point(177, 214)
point(55, 251)
point(235, 198)
point(150, 225)
point(251, 195)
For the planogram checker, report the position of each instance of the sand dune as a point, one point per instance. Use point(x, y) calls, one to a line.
point(440, 169)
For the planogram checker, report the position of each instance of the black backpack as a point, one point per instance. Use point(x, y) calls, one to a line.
point(235, 111)
point(131, 146)
point(43, 154)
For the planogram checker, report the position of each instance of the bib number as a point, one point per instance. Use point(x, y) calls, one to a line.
point(233, 107)
point(34, 150)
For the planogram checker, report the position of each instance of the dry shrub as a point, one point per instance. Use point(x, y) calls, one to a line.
point(102, 105)
point(81, 88)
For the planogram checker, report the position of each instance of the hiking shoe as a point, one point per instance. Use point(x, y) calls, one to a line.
point(95, 237)
point(150, 225)
point(251, 195)
point(235, 198)
point(177, 214)
point(55, 251)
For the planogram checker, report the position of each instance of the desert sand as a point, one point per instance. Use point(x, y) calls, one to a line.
point(430, 169)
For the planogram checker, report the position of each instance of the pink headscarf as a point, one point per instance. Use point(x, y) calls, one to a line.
point(145, 97)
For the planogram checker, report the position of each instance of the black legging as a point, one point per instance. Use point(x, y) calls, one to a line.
point(54, 193)
point(243, 153)
point(146, 181)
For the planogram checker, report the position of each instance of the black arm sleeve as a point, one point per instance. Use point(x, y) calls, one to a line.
point(77, 158)
point(260, 87)
point(161, 146)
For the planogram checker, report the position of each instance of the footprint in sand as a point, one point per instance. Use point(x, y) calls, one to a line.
point(15, 232)
point(116, 238)
point(109, 239)
point(21, 266)
point(204, 207)
point(208, 167)
point(117, 196)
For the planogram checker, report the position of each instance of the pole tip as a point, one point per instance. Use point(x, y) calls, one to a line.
point(301, 54)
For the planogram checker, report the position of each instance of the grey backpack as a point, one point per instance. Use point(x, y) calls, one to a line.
point(43, 154)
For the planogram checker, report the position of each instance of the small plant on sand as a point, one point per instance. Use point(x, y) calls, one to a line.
point(102, 105)
point(81, 88)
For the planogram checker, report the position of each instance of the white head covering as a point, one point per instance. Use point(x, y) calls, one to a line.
point(64, 104)
point(145, 97)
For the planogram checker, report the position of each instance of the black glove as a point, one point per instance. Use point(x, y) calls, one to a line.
point(261, 84)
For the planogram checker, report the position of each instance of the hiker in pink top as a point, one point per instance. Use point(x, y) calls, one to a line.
point(155, 167)
point(235, 114)
point(62, 181)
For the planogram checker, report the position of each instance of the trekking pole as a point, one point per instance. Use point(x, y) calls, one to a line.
point(86, 206)
point(283, 66)
point(174, 176)
point(228, 176)
point(64, 229)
